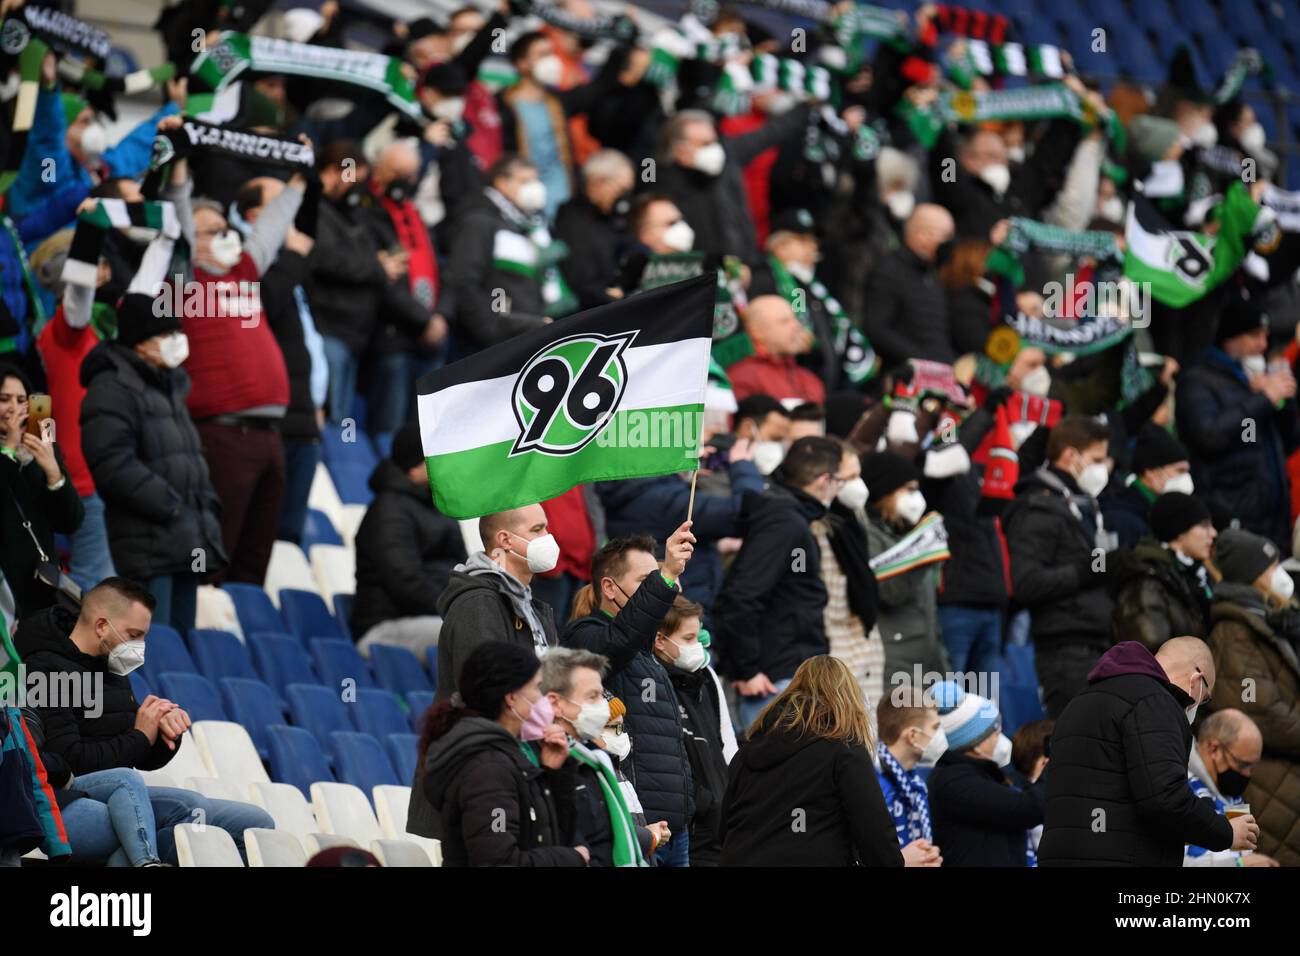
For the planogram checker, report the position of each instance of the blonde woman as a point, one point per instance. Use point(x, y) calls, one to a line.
point(803, 790)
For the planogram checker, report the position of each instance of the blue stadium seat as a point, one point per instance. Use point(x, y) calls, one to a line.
point(337, 660)
point(164, 652)
point(377, 712)
point(296, 758)
point(1198, 15)
point(253, 608)
point(384, 444)
point(221, 654)
point(352, 480)
point(337, 451)
point(281, 660)
point(402, 751)
point(194, 693)
point(343, 605)
point(398, 669)
point(307, 616)
point(318, 710)
point(139, 684)
point(1020, 705)
point(1154, 14)
point(318, 529)
point(255, 705)
point(431, 656)
point(361, 761)
point(419, 701)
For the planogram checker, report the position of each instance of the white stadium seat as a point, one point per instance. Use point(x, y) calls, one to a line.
point(390, 809)
point(188, 761)
point(216, 611)
point(229, 751)
point(159, 778)
point(203, 846)
point(288, 568)
point(323, 496)
point(336, 569)
point(343, 809)
point(287, 807)
point(273, 848)
point(316, 842)
point(399, 853)
point(349, 522)
point(214, 789)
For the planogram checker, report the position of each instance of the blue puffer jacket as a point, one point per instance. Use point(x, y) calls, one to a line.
point(658, 766)
point(656, 506)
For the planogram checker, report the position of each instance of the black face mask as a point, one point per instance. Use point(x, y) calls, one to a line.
point(399, 190)
point(1231, 783)
point(618, 212)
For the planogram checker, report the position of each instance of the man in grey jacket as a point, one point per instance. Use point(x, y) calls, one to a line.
point(489, 597)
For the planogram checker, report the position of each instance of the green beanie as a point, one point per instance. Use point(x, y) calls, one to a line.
point(73, 104)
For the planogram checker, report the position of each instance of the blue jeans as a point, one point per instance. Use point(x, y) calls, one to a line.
point(393, 379)
point(973, 636)
point(676, 852)
point(91, 561)
point(751, 707)
point(300, 461)
point(343, 378)
point(114, 822)
point(173, 807)
point(178, 600)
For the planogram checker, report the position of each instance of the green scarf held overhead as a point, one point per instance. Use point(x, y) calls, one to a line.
point(237, 53)
point(1247, 62)
point(1134, 378)
point(979, 58)
point(1051, 101)
point(627, 851)
point(1028, 235)
point(857, 358)
point(140, 81)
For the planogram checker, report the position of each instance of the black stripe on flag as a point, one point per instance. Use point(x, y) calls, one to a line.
point(1148, 217)
point(671, 313)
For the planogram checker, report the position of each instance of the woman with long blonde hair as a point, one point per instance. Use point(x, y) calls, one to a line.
point(803, 791)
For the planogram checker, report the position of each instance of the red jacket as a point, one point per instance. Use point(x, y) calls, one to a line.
point(235, 362)
point(782, 378)
point(62, 348)
point(567, 519)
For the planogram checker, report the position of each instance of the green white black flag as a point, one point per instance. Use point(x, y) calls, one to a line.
point(614, 392)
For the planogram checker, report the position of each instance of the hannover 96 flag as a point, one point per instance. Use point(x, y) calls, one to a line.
point(614, 392)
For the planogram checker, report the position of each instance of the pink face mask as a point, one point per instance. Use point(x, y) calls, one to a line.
point(539, 718)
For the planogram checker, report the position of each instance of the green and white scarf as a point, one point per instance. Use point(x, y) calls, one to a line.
point(1247, 62)
point(857, 358)
point(29, 72)
point(626, 848)
point(863, 20)
point(1028, 235)
point(924, 544)
point(1083, 337)
point(980, 58)
point(237, 53)
point(141, 81)
point(533, 254)
point(960, 106)
point(152, 222)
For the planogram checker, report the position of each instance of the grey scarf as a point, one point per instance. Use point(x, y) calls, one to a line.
point(519, 594)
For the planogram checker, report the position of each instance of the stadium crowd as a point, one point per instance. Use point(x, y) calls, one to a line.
point(993, 524)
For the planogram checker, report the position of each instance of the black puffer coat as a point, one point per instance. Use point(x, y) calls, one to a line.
point(979, 818)
point(103, 742)
point(145, 456)
point(1157, 598)
point(406, 549)
point(1117, 791)
point(660, 765)
point(489, 804)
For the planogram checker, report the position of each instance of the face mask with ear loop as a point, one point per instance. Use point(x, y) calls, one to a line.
point(124, 657)
point(542, 553)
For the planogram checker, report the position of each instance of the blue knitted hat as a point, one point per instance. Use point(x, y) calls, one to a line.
point(966, 718)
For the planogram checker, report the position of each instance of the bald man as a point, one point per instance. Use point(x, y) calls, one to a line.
point(489, 597)
point(778, 337)
point(907, 310)
point(1224, 755)
point(1117, 791)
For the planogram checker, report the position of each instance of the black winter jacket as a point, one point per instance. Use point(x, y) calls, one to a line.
point(805, 801)
point(402, 316)
point(1117, 791)
point(147, 461)
point(660, 767)
point(697, 693)
point(1051, 561)
point(1128, 514)
point(489, 804)
point(475, 610)
point(288, 272)
point(1157, 597)
point(406, 549)
point(768, 615)
point(48, 511)
point(907, 311)
point(597, 243)
point(1238, 479)
point(347, 281)
point(106, 741)
point(979, 818)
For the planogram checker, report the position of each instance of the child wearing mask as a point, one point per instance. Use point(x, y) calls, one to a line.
point(979, 817)
point(911, 736)
point(681, 646)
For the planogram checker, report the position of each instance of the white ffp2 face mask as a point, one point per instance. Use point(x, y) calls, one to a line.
point(226, 248)
point(1282, 583)
point(531, 196)
point(910, 506)
point(1093, 479)
point(1254, 364)
point(549, 70)
point(1181, 483)
point(1002, 750)
point(592, 718)
point(934, 749)
point(768, 455)
point(1037, 383)
point(997, 176)
point(901, 204)
point(542, 554)
point(450, 110)
point(174, 349)
point(1254, 139)
point(679, 237)
point(710, 159)
point(94, 140)
point(620, 745)
point(690, 656)
point(854, 494)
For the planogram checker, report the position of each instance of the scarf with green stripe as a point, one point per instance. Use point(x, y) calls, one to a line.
point(66, 33)
point(93, 81)
point(730, 341)
point(857, 358)
point(980, 58)
point(765, 74)
point(599, 27)
point(924, 544)
point(536, 256)
point(237, 53)
point(1247, 62)
point(152, 222)
point(627, 851)
point(1028, 235)
point(1031, 103)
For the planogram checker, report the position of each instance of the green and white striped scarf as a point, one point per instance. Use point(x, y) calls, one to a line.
point(981, 58)
point(141, 81)
point(1028, 235)
point(1031, 103)
point(767, 73)
point(143, 222)
point(1247, 62)
point(858, 359)
point(626, 850)
point(533, 254)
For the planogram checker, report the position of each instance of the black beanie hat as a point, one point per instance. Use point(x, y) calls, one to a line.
point(1156, 448)
point(136, 320)
point(885, 472)
point(1174, 512)
point(1241, 557)
point(1239, 316)
point(843, 409)
point(492, 670)
point(408, 449)
point(447, 79)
